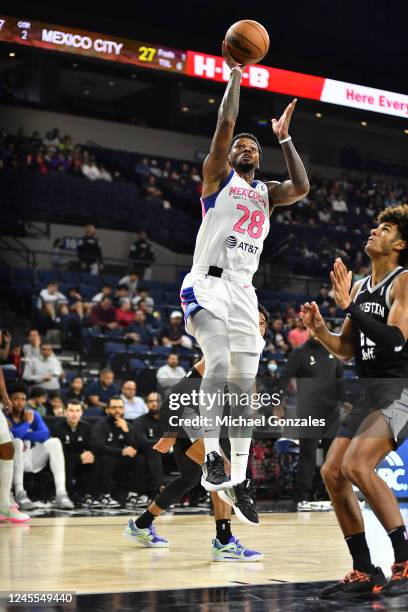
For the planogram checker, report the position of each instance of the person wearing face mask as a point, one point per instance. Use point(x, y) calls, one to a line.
point(318, 398)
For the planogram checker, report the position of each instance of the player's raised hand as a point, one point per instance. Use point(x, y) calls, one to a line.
point(341, 280)
point(311, 316)
point(280, 126)
point(229, 60)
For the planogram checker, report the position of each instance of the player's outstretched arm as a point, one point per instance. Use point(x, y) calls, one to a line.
point(390, 336)
point(288, 192)
point(216, 166)
point(340, 345)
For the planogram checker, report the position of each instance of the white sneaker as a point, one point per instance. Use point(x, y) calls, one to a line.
point(12, 514)
point(108, 502)
point(63, 502)
point(142, 500)
point(24, 502)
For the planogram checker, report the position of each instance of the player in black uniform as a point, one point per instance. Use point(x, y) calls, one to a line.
point(375, 332)
point(189, 454)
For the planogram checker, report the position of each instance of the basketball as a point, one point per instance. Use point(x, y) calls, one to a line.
point(247, 41)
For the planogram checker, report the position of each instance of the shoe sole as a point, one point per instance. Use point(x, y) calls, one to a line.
point(241, 517)
point(355, 596)
point(14, 520)
point(391, 594)
point(258, 557)
point(130, 538)
point(208, 486)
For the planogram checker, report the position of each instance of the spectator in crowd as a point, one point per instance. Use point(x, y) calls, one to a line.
point(146, 430)
point(169, 374)
point(32, 347)
point(174, 333)
point(57, 407)
point(106, 291)
point(91, 170)
point(103, 316)
point(100, 391)
point(139, 331)
point(323, 299)
point(37, 400)
point(15, 359)
point(52, 302)
point(298, 335)
point(75, 436)
point(144, 297)
point(75, 302)
point(5, 341)
point(150, 318)
point(33, 449)
point(104, 174)
point(141, 254)
point(124, 314)
point(45, 370)
point(279, 336)
point(132, 280)
point(75, 390)
point(133, 404)
point(121, 293)
point(89, 252)
point(116, 452)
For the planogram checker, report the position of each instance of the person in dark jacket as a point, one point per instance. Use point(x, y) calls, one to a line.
point(141, 254)
point(80, 463)
point(318, 398)
point(146, 430)
point(89, 251)
point(116, 452)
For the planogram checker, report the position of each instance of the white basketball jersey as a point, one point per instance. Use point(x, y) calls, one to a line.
point(234, 226)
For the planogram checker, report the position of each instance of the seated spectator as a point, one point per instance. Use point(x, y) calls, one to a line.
point(33, 449)
point(174, 333)
point(133, 404)
point(45, 370)
point(146, 430)
point(124, 314)
point(91, 170)
point(15, 359)
point(104, 174)
point(103, 316)
point(298, 335)
point(99, 392)
point(141, 252)
point(121, 293)
point(37, 400)
point(75, 436)
point(75, 390)
point(139, 331)
point(32, 347)
point(143, 296)
point(169, 374)
point(116, 452)
point(89, 252)
point(323, 299)
point(107, 291)
point(132, 280)
point(56, 405)
point(150, 318)
point(52, 302)
point(75, 302)
point(279, 336)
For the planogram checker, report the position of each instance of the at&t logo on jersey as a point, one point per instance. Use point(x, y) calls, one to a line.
point(231, 242)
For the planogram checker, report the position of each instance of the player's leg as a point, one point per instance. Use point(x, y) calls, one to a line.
point(212, 336)
point(51, 450)
point(8, 509)
point(362, 457)
point(141, 530)
point(305, 472)
point(364, 578)
point(22, 499)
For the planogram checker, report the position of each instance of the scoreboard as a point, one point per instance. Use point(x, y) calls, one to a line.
point(90, 44)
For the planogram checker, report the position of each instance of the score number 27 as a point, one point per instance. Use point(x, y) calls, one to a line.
point(146, 54)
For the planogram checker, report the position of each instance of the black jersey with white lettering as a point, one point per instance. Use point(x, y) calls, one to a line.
point(371, 361)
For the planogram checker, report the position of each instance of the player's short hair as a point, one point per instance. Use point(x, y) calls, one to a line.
point(17, 388)
point(398, 215)
point(251, 137)
point(114, 398)
point(74, 402)
point(37, 392)
point(265, 313)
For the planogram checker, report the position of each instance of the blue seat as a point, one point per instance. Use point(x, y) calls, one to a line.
point(24, 273)
point(73, 278)
point(138, 349)
point(113, 347)
point(136, 366)
point(90, 279)
point(46, 276)
point(162, 350)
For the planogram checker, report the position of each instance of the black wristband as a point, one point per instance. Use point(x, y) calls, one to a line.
point(387, 337)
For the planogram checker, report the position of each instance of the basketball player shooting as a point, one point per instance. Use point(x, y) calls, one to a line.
point(375, 333)
point(217, 296)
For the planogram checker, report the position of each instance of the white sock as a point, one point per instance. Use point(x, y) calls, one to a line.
point(211, 445)
point(6, 480)
point(18, 476)
point(239, 459)
point(57, 464)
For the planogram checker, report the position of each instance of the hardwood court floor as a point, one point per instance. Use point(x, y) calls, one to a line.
point(89, 555)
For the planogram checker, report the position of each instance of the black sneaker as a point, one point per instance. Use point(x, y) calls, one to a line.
point(240, 499)
point(214, 477)
point(355, 585)
point(398, 585)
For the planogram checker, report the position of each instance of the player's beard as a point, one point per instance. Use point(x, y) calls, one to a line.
point(245, 167)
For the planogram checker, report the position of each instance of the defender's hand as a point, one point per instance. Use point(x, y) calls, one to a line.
point(311, 316)
point(341, 279)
